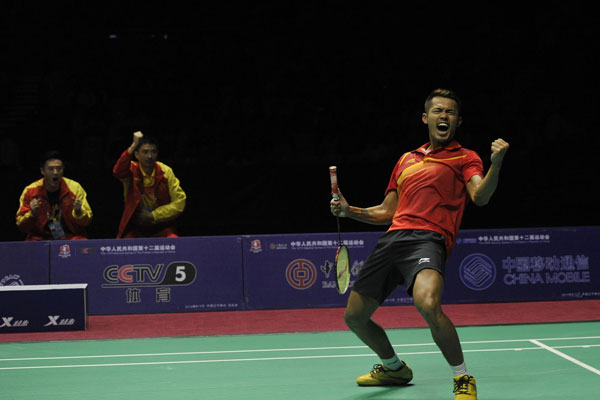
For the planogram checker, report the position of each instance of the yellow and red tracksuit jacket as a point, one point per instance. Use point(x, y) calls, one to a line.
point(170, 197)
point(35, 226)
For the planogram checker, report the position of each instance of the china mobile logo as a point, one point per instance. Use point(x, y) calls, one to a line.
point(301, 274)
point(177, 273)
point(477, 271)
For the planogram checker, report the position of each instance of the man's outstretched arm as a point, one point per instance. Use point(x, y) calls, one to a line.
point(481, 189)
point(381, 214)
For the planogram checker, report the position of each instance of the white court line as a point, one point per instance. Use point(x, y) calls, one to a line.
point(279, 350)
point(566, 357)
point(284, 350)
point(264, 359)
point(188, 353)
point(528, 340)
point(221, 361)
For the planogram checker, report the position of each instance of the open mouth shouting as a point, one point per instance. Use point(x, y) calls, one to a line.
point(442, 131)
point(443, 127)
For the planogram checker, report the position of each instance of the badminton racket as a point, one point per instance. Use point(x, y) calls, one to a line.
point(341, 265)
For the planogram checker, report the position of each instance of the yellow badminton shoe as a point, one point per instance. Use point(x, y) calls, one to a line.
point(380, 376)
point(465, 388)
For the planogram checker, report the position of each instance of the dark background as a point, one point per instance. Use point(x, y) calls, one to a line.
point(252, 102)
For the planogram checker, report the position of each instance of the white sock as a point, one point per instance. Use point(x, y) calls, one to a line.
point(459, 369)
point(393, 363)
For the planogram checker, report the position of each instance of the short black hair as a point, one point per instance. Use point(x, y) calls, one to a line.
point(447, 93)
point(51, 155)
point(147, 140)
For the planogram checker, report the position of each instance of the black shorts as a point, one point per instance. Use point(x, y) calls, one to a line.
point(397, 259)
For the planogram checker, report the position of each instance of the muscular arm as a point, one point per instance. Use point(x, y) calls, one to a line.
point(481, 189)
point(381, 214)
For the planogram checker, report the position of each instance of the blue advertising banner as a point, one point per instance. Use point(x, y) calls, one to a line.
point(24, 263)
point(500, 265)
point(43, 308)
point(532, 264)
point(295, 271)
point(132, 276)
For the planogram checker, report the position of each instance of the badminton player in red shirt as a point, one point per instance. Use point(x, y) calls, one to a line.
point(424, 203)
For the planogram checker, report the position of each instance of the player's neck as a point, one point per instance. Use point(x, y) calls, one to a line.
point(148, 170)
point(51, 186)
point(434, 146)
point(431, 148)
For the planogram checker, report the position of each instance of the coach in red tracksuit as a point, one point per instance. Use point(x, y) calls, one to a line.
point(153, 196)
point(53, 207)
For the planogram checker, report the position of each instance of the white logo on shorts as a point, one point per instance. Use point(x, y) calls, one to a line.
point(424, 260)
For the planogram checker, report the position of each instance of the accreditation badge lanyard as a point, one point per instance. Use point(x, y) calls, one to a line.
point(149, 197)
point(54, 222)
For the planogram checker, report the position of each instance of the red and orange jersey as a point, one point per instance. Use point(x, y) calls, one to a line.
point(431, 189)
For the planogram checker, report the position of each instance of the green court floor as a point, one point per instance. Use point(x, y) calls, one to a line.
point(517, 362)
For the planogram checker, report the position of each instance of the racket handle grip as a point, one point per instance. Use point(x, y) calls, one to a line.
point(334, 183)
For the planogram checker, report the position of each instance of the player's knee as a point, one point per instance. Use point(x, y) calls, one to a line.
point(429, 306)
point(354, 319)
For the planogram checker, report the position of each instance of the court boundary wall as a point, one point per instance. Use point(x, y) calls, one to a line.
point(293, 271)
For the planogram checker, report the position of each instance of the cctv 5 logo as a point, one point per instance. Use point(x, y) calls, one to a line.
point(175, 274)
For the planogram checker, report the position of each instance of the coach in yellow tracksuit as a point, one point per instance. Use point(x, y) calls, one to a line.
point(53, 207)
point(153, 196)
